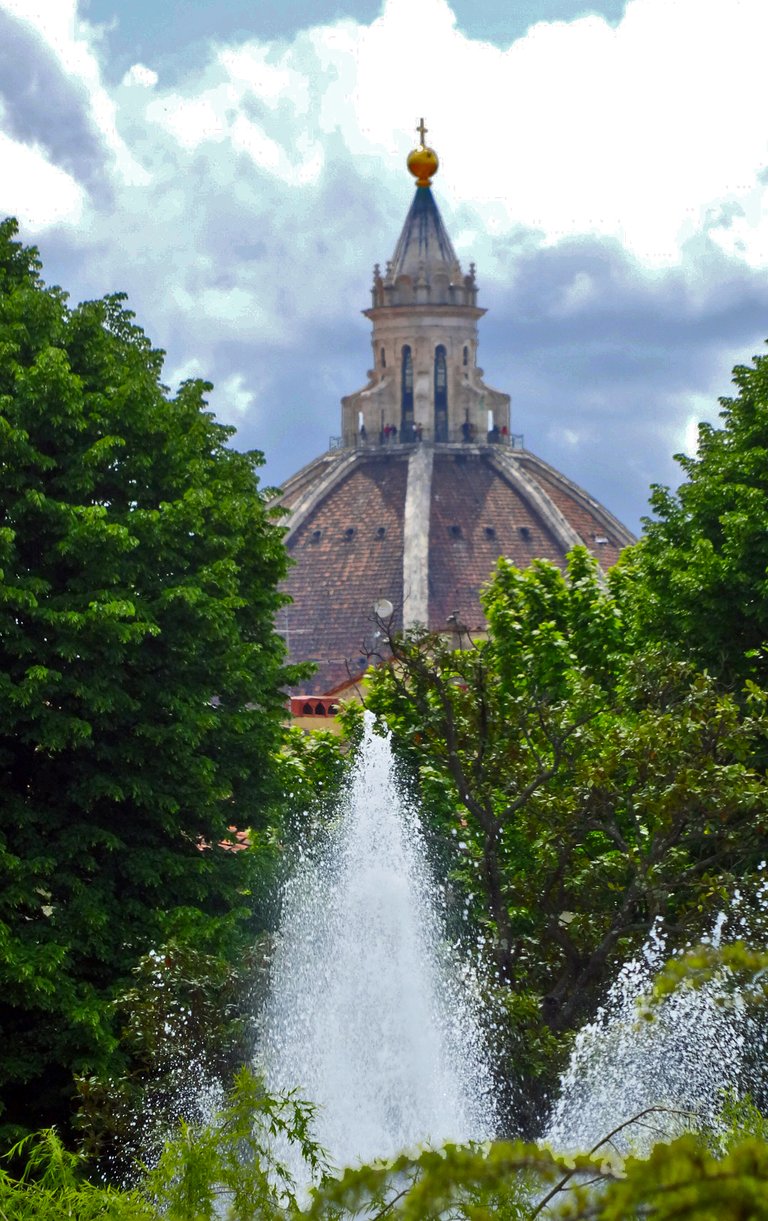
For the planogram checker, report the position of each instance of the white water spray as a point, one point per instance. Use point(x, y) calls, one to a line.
point(369, 1016)
point(682, 1061)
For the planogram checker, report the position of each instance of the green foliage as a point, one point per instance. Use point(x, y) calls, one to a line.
point(51, 1188)
point(140, 676)
point(311, 769)
point(586, 790)
point(739, 1119)
point(225, 1169)
point(185, 1025)
point(745, 966)
point(681, 1180)
point(548, 627)
point(229, 1168)
point(698, 576)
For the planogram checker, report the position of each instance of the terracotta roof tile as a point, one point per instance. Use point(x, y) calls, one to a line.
point(476, 517)
point(592, 526)
point(347, 544)
point(346, 555)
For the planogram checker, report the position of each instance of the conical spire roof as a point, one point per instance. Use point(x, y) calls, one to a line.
point(424, 244)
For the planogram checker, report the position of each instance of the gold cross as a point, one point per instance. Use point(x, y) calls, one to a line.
point(422, 130)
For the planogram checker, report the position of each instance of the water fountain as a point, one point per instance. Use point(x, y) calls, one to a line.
point(677, 1059)
point(371, 1017)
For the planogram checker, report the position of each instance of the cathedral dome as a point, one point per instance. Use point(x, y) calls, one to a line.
point(422, 527)
point(426, 487)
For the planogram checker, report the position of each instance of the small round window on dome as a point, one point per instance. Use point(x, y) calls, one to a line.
point(315, 536)
point(349, 533)
point(490, 531)
point(454, 531)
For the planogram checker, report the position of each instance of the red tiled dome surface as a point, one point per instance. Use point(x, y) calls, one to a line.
point(346, 540)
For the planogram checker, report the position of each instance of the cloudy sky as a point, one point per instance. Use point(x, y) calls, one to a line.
point(237, 166)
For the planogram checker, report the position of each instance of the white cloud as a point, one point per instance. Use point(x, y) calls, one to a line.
point(250, 67)
point(234, 306)
point(244, 204)
point(54, 21)
point(71, 40)
point(643, 132)
point(191, 120)
point(185, 371)
point(233, 396)
point(141, 75)
point(37, 193)
point(221, 111)
point(694, 410)
point(691, 436)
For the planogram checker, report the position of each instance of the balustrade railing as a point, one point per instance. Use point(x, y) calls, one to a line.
point(392, 439)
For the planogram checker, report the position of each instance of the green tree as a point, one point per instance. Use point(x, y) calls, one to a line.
point(225, 1167)
point(230, 1168)
point(189, 1019)
point(699, 572)
point(140, 675)
point(586, 792)
point(185, 1025)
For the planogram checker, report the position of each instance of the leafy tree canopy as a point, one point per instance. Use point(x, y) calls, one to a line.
point(140, 675)
point(229, 1169)
point(699, 572)
point(586, 791)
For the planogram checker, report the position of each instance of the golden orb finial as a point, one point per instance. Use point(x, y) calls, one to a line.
point(422, 161)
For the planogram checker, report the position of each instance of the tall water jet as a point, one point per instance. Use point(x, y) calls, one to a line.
point(370, 1016)
point(677, 1058)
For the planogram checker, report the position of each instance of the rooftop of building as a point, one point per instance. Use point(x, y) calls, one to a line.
point(347, 540)
point(427, 487)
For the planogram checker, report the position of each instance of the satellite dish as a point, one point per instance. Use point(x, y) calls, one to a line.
point(383, 608)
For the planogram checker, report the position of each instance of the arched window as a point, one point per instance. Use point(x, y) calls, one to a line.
point(441, 394)
point(466, 356)
point(406, 393)
point(383, 359)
